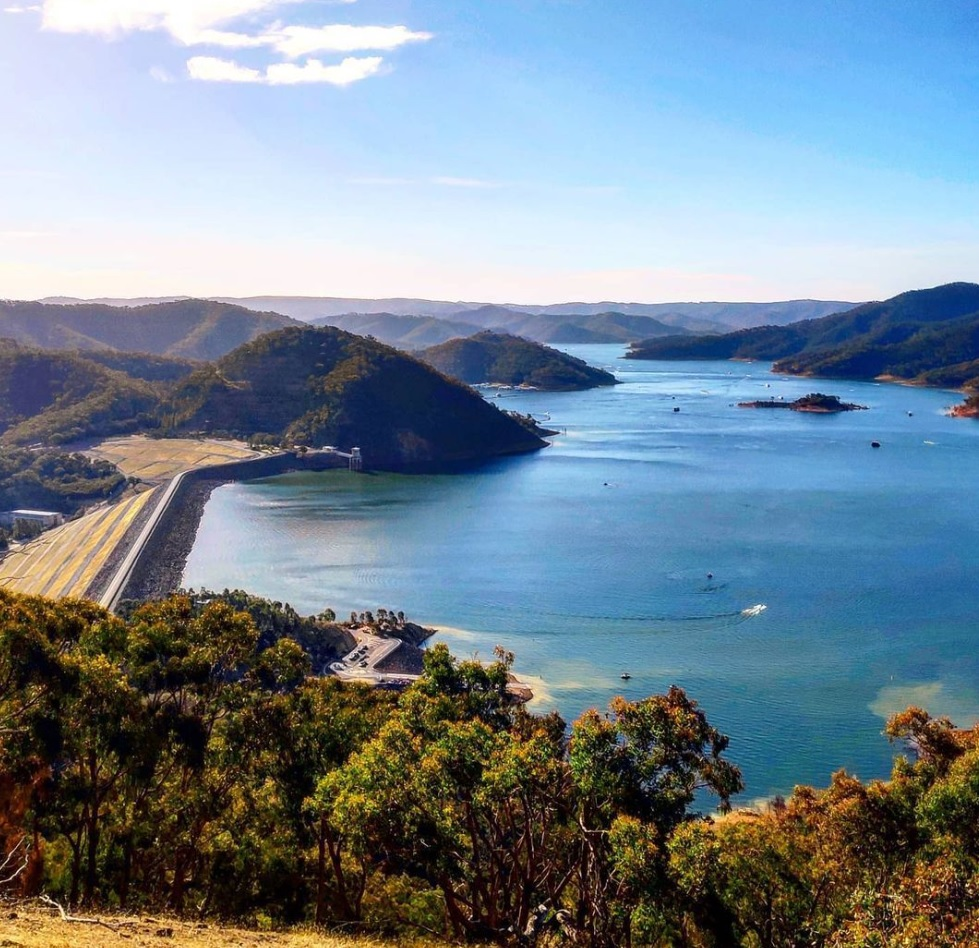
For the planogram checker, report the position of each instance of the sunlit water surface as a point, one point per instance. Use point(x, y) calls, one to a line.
point(644, 541)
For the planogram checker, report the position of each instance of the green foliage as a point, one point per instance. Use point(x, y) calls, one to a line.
point(509, 360)
point(173, 759)
point(56, 397)
point(323, 386)
point(50, 481)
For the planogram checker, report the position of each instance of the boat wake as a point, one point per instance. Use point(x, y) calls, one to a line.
point(739, 616)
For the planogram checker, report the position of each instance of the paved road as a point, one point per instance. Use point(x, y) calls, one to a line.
point(113, 593)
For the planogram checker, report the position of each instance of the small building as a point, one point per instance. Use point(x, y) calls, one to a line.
point(44, 518)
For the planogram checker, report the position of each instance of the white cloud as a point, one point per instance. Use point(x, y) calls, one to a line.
point(294, 41)
point(160, 74)
point(195, 22)
point(204, 22)
point(22, 9)
point(184, 19)
point(212, 69)
point(352, 69)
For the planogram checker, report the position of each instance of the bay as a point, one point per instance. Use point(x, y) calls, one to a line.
point(646, 540)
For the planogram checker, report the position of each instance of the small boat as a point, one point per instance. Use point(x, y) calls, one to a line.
point(875, 444)
point(625, 676)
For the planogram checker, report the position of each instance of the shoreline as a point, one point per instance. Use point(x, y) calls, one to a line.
point(159, 566)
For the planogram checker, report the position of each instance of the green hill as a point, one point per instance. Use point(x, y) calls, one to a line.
point(143, 365)
point(928, 335)
point(50, 480)
point(189, 329)
point(326, 386)
point(509, 360)
point(56, 397)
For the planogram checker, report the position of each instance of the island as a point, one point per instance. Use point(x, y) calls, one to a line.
point(816, 402)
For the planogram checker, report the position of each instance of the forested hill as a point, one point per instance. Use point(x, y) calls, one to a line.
point(508, 360)
point(926, 335)
point(326, 386)
point(193, 329)
point(57, 397)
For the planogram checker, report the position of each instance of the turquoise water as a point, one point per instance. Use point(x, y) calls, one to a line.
point(591, 558)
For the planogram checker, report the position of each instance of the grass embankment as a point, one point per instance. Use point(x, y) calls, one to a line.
point(37, 927)
point(64, 561)
point(159, 459)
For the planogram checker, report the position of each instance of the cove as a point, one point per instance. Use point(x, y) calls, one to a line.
point(644, 541)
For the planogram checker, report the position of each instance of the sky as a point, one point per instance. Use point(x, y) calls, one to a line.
point(529, 151)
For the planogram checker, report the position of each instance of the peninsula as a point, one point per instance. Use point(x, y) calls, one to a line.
point(501, 359)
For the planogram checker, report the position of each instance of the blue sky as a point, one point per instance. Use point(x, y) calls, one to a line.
point(503, 150)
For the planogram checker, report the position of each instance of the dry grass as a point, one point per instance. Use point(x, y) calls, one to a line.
point(63, 562)
point(34, 926)
point(155, 460)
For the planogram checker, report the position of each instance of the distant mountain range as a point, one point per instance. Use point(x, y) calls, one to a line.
point(408, 332)
point(696, 317)
point(929, 336)
point(190, 329)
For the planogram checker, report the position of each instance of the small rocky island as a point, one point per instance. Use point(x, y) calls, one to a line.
point(815, 402)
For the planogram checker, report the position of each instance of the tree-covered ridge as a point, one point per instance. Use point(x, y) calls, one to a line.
point(174, 759)
point(50, 481)
point(190, 329)
point(326, 386)
point(509, 360)
point(57, 397)
point(927, 335)
point(143, 365)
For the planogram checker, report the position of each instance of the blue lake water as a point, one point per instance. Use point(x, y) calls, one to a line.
point(591, 558)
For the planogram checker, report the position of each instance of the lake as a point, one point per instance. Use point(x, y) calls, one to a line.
point(645, 541)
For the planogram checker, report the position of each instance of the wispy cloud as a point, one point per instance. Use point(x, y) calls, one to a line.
point(440, 181)
point(450, 182)
point(18, 8)
point(235, 24)
point(296, 41)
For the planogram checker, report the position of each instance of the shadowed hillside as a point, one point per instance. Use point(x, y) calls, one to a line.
point(326, 386)
point(508, 360)
point(57, 397)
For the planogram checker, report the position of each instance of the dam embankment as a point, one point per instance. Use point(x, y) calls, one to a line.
point(151, 564)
